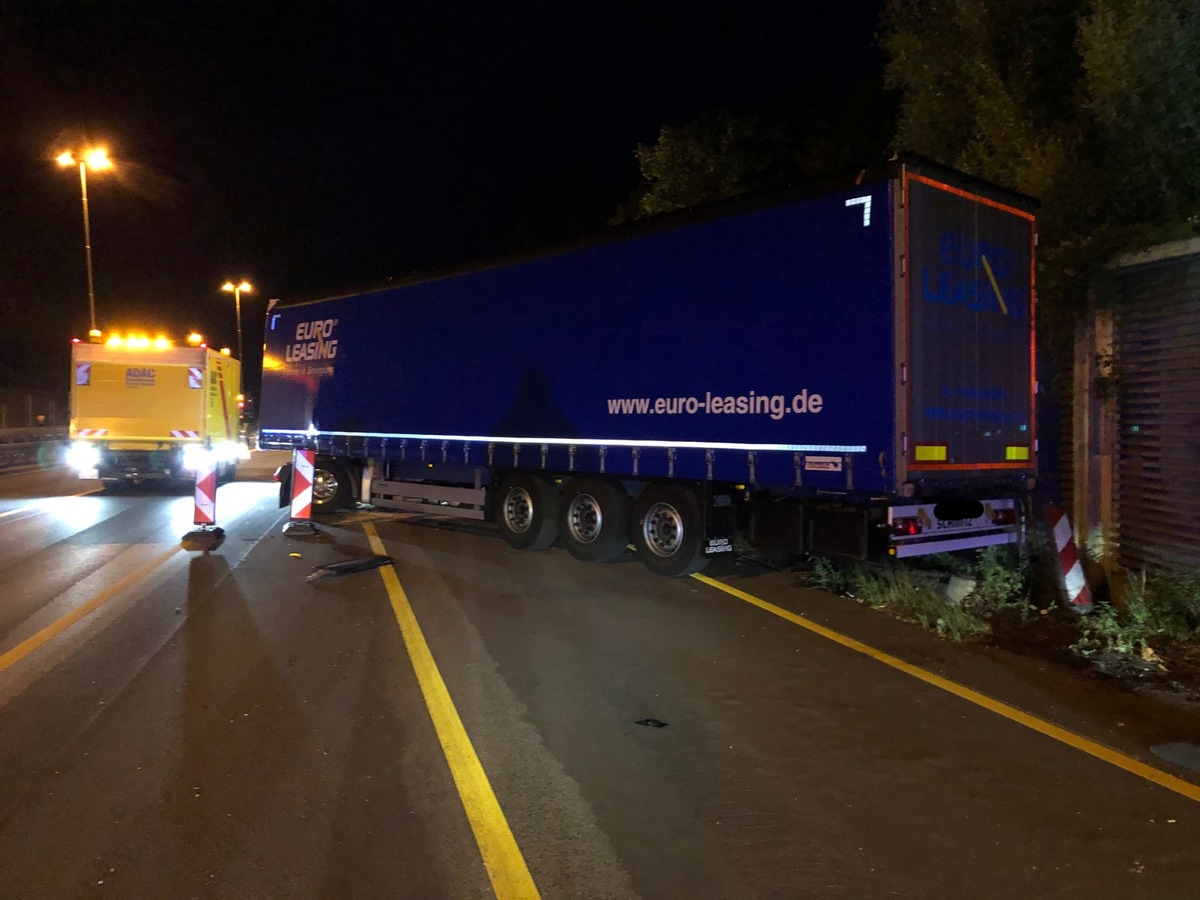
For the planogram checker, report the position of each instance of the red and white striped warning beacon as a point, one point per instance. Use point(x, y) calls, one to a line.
point(206, 496)
point(303, 474)
point(1070, 566)
point(206, 536)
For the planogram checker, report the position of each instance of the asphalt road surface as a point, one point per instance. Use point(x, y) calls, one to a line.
point(472, 722)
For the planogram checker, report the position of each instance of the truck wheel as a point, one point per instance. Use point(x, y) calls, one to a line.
point(331, 486)
point(527, 512)
point(593, 519)
point(668, 530)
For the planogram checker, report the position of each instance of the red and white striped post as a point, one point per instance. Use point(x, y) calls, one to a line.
point(303, 473)
point(206, 536)
point(206, 495)
point(1070, 565)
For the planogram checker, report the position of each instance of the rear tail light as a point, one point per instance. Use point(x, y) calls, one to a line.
point(1004, 517)
point(906, 527)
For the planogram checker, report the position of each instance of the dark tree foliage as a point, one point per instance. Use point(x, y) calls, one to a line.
point(1092, 106)
point(725, 154)
point(719, 155)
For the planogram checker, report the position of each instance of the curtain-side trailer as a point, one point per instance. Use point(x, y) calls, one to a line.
point(842, 373)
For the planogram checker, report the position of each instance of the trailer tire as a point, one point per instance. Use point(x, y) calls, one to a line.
point(668, 530)
point(331, 486)
point(593, 519)
point(527, 512)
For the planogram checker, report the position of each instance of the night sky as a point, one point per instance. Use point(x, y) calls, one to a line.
point(317, 148)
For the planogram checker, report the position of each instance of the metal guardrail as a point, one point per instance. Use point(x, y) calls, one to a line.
point(31, 447)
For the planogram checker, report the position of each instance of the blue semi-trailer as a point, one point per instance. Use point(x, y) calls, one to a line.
point(848, 373)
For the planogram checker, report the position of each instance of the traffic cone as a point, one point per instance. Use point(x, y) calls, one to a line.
point(303, 472)
point(206, 536)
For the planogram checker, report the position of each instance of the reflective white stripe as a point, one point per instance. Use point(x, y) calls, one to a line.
point(1074, 581)
point(1062, 533)
point(565, 442)
point(865, 203)
point(967, 543)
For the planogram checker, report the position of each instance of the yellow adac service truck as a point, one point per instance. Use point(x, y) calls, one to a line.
point(147, 410)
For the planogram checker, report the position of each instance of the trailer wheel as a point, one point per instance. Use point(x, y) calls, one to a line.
point(594, 519)
point(668, 530)
point(331, 486)
point(527, 512)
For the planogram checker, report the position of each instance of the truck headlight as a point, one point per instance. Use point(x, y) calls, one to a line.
point(197, 458)
point(83, 456)
point(227, 451)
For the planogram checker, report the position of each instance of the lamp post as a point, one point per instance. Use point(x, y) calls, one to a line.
point(97, 160)
point(236, 290)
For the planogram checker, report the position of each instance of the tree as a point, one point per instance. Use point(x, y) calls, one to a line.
point(726, 154)
point(1142, 64)
point(719, 155)
point(1091, 106)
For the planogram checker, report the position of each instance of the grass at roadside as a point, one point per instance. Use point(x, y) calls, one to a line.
point(1156, 615)
point(1149, 632)
point(995, 581)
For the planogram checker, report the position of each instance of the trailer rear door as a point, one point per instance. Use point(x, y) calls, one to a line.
point(970, 302)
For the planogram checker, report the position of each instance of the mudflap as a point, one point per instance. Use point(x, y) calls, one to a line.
point(720, 522)
point(284, 476)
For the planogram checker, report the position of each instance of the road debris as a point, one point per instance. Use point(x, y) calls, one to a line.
point(1181, 754)
point(345, 567)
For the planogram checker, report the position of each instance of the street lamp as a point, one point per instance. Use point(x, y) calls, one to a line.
point(96, 159)
point(236, 290)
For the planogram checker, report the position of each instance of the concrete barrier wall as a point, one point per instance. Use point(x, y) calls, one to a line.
point(32, 447)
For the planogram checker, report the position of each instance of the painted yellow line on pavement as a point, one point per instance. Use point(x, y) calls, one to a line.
point(501, 856)
point(27, 646)
point(1070, 738)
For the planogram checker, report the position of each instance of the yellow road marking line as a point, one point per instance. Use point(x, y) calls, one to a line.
point(1090, 747)
point(987, 267)
point(27, 646)
point(501, 856)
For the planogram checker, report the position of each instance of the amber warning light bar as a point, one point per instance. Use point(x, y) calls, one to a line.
point(140, 340)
